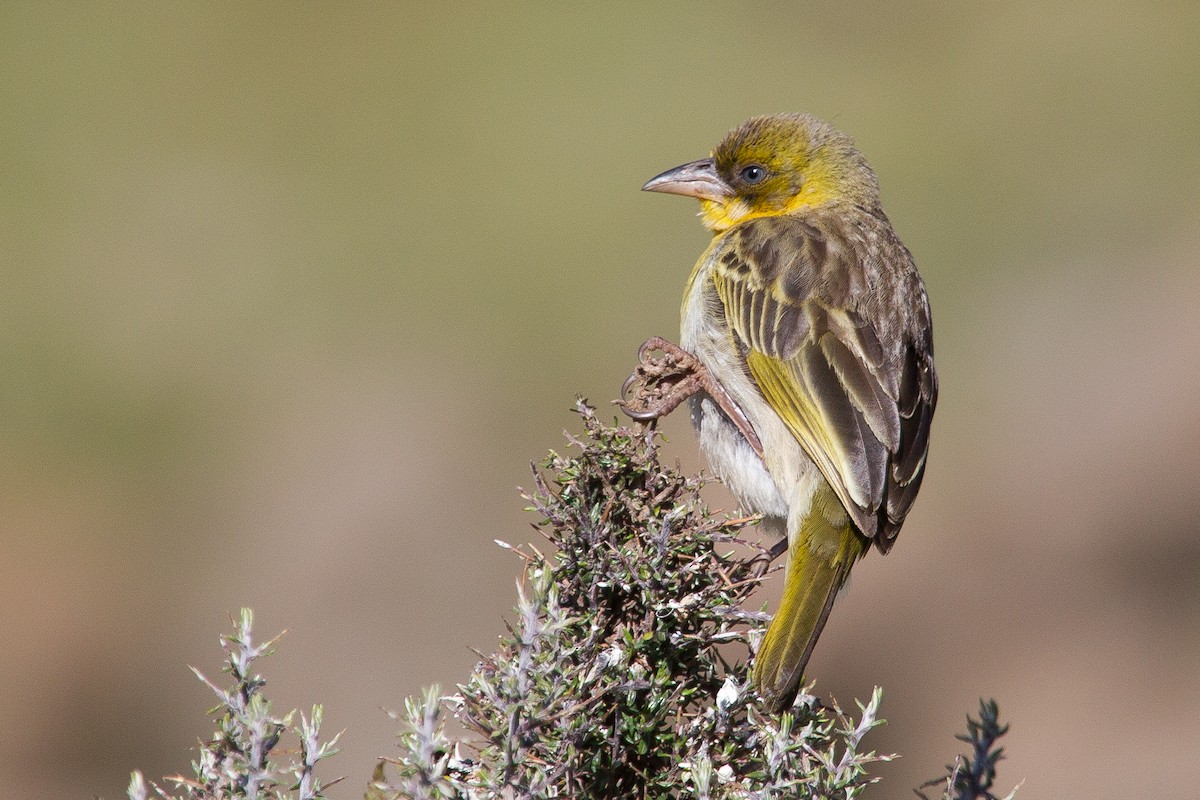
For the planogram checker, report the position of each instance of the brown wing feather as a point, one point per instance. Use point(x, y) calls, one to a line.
point(844, 357)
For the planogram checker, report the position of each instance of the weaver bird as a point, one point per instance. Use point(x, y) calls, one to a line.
point(808, 355)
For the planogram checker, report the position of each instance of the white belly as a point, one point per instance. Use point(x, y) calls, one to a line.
point(780, 485)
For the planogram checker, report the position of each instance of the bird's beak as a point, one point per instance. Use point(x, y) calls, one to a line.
point(694, 179)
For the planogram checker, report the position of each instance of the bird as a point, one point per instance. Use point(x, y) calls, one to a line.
point(809, 336)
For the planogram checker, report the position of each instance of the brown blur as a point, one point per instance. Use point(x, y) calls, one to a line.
point(292, 299)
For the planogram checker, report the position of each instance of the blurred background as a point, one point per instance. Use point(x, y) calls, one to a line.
point(292, 297)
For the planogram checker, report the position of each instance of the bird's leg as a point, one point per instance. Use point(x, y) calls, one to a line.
point(660, 383)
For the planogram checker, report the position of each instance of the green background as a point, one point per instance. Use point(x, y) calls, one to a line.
point(293, 293)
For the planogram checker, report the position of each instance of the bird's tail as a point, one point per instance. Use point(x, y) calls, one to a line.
point(819, 562)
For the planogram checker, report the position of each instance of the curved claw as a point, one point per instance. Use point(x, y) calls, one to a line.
point(637, 409)
point(633, 378)
point(647, 415)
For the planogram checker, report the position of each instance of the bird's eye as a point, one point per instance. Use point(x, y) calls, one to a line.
point(753, 173)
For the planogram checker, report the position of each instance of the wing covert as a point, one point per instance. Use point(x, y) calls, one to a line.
point(851, 381)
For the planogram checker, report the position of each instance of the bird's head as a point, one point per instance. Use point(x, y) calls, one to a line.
point(773, 165)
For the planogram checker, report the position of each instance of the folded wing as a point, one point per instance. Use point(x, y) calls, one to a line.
point(797, 302)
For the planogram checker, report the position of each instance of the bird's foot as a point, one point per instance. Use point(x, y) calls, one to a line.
point(660, 383)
